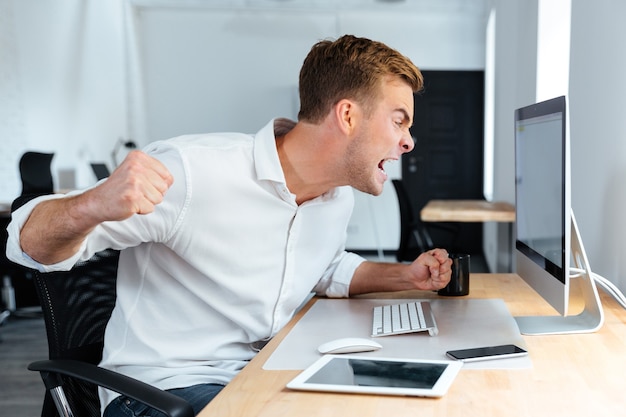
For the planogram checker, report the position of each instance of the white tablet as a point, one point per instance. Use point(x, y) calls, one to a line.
point(369, 375)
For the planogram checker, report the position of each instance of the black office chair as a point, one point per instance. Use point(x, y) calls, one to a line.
point(77, 304)
point(415, 236)
point(36, 175)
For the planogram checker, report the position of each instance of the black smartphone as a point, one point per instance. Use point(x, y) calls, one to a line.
point(486, 353)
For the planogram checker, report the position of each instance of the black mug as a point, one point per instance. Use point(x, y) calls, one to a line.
point(459, 280)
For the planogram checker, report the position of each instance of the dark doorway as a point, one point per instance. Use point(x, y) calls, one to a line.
point(447, 162)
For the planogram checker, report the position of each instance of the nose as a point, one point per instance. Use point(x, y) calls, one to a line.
point(407, 143)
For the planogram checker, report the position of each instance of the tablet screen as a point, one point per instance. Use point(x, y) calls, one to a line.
point(376, 375)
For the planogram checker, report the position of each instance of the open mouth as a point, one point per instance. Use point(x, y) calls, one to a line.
point(381, 165)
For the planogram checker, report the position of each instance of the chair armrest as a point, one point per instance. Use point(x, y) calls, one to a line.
point(154, 397)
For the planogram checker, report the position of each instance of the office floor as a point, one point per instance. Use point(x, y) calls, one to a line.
point(22, 340)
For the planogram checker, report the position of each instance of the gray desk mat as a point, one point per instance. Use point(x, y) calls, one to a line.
point(463, 323)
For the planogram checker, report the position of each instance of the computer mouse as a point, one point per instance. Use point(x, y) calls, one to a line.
point(349, 345)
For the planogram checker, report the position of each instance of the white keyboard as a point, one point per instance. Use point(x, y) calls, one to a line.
point(403, 318)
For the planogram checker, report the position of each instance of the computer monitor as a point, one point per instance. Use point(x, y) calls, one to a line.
point(100, 170)
point(547, 237)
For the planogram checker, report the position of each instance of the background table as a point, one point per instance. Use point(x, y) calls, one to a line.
point(471, 211)
point(467, 211)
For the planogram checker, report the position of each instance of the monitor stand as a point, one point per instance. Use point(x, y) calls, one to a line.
point(592, 316)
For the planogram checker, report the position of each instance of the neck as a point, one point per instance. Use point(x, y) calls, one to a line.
point(304, 155)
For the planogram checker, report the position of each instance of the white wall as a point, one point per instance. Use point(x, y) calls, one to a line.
point(514, 87)
point(598, 133)
point(62, 87)
point(213, 69)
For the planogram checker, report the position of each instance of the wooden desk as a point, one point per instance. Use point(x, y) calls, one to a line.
point(467, 211)
point(572, 375)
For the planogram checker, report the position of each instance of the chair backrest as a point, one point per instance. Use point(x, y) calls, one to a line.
point(77, 305)
point(406, 212)
point(36, 175)
point(414, 237)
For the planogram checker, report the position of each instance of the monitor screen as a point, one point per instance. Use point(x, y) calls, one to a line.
point(542, 199)
point(100, 170)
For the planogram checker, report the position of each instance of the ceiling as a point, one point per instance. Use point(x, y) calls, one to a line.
point(400, 6)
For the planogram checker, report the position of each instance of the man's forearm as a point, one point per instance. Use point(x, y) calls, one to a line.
point(55, 230)
point(376, 277)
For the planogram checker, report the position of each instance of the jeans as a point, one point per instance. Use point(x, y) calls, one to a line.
point(198, 396)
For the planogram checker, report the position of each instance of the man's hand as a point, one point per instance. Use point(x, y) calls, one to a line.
point(431, 270)
point(135, 187)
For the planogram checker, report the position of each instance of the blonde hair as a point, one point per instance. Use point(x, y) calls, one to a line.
point(353, 68)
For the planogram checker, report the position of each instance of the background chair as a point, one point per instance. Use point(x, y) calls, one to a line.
point(76, 305)
point(415, 236)
point(36, 175)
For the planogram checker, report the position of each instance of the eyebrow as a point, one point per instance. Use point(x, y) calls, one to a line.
point(407, 118)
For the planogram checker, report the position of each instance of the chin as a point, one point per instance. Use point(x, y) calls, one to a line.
point(377, 191)
point(372, 189)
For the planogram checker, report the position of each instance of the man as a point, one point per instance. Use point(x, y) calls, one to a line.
point(224, 235)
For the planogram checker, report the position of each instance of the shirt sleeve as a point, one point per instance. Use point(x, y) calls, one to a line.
point(155, 227)
point(336, 281)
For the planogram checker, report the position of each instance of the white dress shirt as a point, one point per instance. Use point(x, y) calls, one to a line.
point(223, 262)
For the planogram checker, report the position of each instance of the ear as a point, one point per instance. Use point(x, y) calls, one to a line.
point(346, 116)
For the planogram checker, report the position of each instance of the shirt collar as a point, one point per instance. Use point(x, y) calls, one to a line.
point(266, 158)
